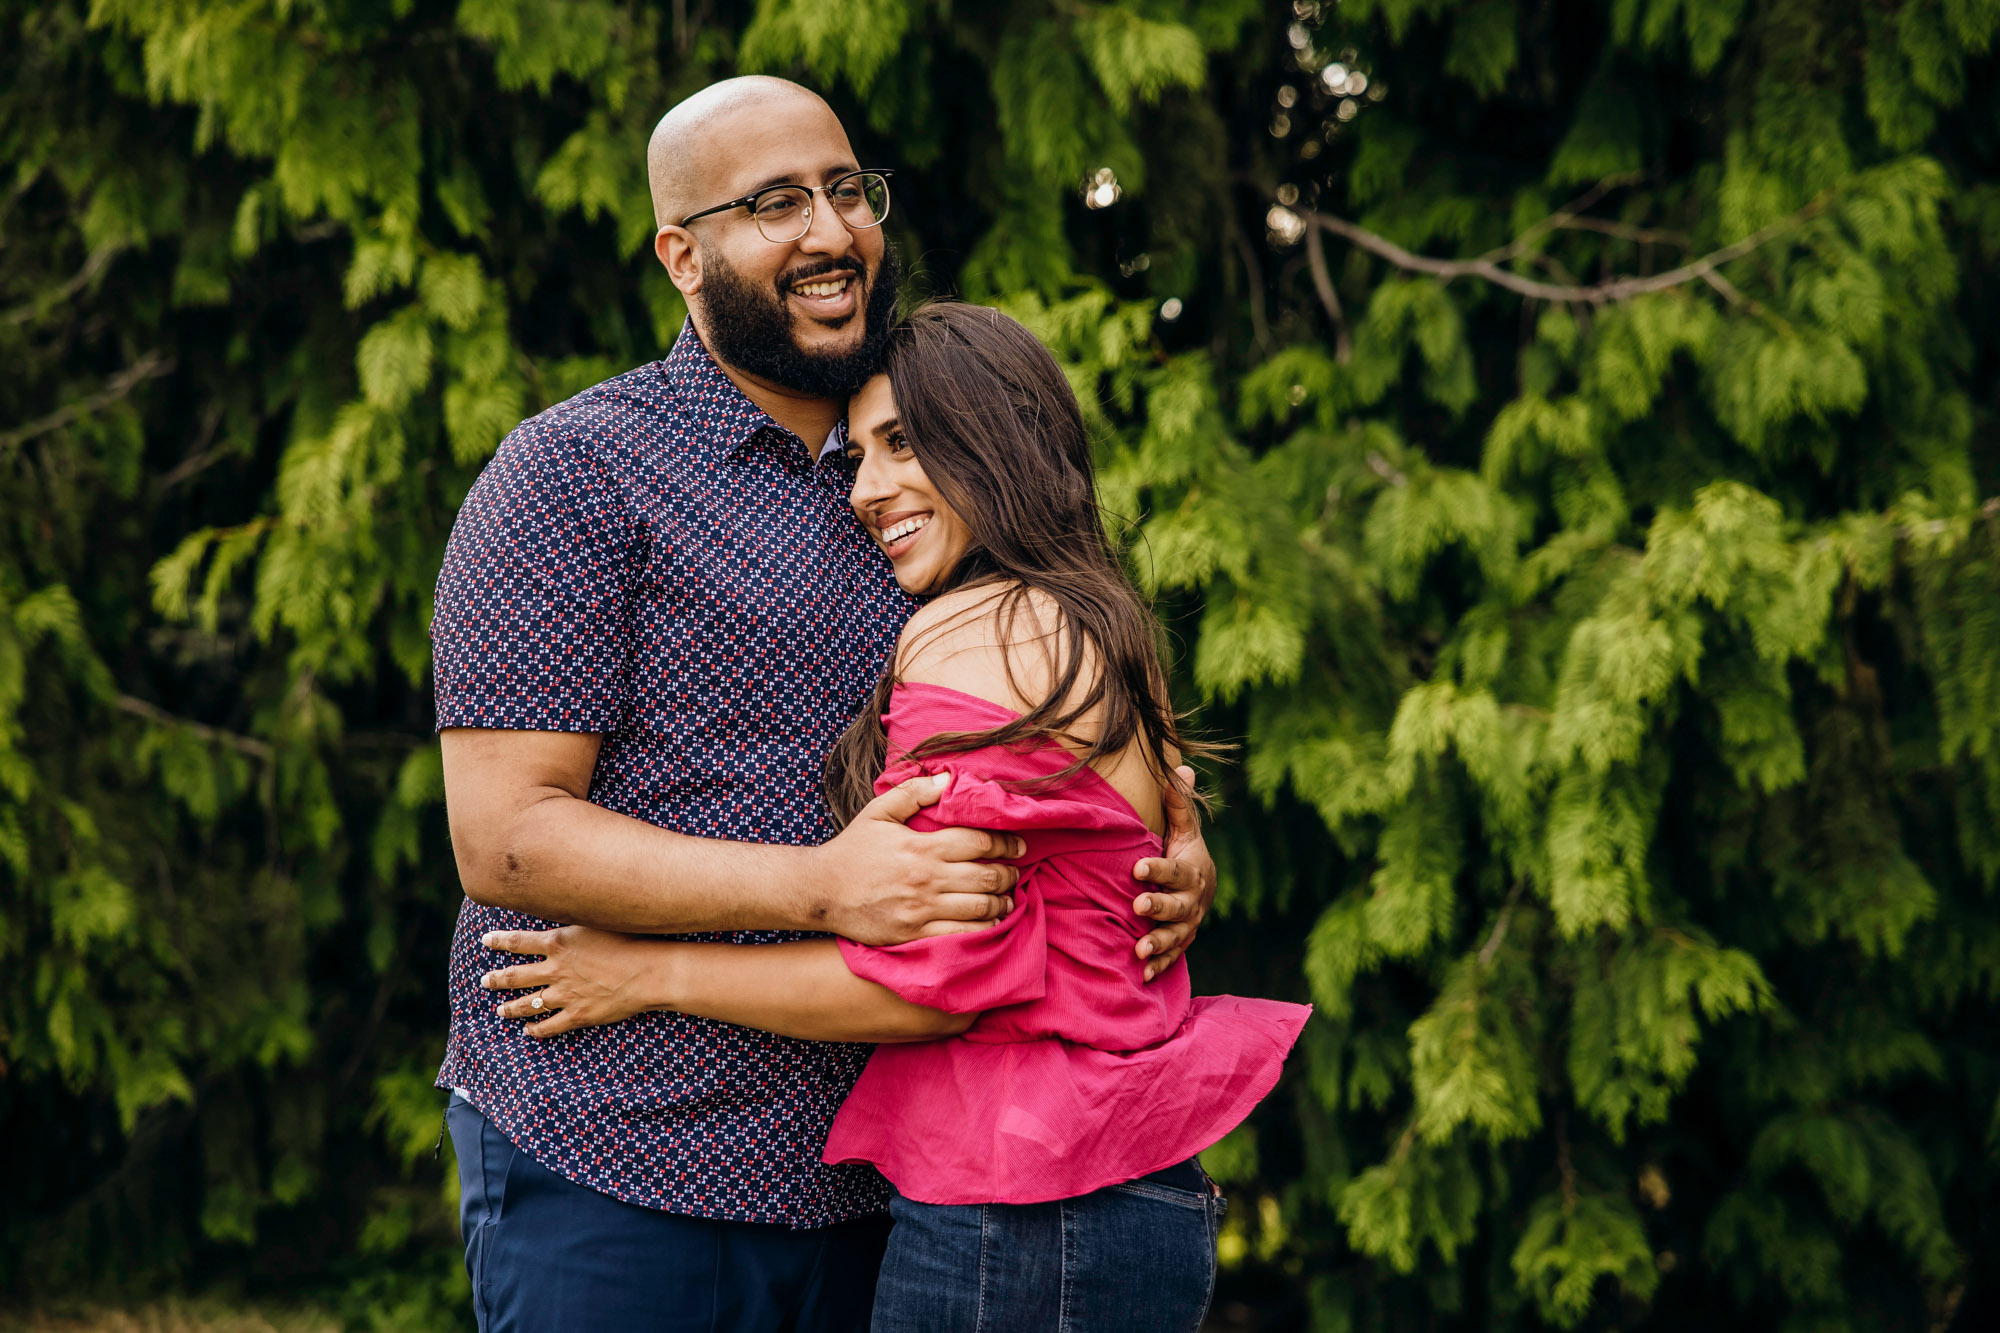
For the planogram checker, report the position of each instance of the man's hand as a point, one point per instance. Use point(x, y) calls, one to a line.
point(1186, 879)
point(881, 883)
point(588, 976)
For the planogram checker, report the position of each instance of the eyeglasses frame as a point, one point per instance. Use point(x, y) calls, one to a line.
point(749, 201)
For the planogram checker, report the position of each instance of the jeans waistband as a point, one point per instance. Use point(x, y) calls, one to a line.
point(1186, 1175)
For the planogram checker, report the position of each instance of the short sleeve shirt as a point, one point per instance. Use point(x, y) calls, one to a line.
point(658, 561)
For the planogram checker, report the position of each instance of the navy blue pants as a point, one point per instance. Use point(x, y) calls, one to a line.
point(548, 1255)
point(1131, 1258)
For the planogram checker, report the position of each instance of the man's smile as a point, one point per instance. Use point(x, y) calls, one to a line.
point(827, 295)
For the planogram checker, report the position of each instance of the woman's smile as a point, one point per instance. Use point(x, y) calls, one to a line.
point(898, 532)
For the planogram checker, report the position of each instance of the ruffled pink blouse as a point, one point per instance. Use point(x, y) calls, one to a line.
point(1077, 1074)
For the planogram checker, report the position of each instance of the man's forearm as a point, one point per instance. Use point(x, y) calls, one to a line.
point(802, 989)
point(565, 859)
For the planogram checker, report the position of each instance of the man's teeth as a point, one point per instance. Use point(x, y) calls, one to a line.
point(832, 287)
point(909, 525)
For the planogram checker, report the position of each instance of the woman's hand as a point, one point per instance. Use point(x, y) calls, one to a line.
point(588, 976)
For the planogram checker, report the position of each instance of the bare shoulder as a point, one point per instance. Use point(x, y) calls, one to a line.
point(996, 641)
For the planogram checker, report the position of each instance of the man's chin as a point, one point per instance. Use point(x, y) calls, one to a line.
point(815, 337)
point(848, 325)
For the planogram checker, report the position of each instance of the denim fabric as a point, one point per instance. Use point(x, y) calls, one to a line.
point(1137, 1256)
point(547, 1255)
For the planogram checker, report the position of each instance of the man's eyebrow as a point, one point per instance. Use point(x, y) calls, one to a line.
point(789, 178)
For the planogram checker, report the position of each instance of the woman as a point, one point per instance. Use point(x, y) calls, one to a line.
point(1042, 1142)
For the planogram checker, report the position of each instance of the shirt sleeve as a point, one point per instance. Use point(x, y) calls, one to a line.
point(1007, 963)
point(530, 630)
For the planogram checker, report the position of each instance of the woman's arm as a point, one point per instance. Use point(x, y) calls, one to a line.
point(801, 989)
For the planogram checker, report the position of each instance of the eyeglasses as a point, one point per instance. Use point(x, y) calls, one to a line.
point(784, 213)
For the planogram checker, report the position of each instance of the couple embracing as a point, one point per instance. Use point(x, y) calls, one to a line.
point(804, 649)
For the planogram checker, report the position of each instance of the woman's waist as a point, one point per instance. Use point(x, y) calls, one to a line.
point(1041, 1033)
point(957, 1121)
point(1095, 1008)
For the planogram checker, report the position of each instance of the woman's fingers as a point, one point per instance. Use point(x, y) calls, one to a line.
point(518, 977)
point(519, 941)
point(553, 1026)
point(524, 1006)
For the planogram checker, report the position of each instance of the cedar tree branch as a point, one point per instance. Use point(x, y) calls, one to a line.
point(1702, 269)
point(150, 366)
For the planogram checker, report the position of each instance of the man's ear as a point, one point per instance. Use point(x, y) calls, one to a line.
point(680, 255)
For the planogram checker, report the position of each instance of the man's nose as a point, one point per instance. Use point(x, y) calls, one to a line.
point(826, 234)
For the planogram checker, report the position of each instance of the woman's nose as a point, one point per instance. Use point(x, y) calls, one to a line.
point(872, 483)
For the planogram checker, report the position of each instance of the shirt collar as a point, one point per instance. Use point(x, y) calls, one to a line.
point(722, 415)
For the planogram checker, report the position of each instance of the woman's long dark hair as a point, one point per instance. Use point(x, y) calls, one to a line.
point(995, 424)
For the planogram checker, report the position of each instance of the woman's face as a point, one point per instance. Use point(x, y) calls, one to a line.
point(907, 516)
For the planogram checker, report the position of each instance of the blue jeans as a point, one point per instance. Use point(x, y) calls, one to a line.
point(548, 1255)
point(1137, 1256)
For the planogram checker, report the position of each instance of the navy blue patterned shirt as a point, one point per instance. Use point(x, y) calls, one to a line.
point(658, 561)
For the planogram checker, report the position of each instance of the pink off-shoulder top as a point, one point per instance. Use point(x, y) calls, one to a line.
point(1077, 1074)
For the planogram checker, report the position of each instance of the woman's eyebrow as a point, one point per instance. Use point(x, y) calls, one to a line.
point(887, 428)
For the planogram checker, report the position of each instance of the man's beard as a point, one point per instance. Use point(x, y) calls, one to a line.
point(750, 328)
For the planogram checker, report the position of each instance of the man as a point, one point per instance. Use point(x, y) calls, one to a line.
point(655, 616)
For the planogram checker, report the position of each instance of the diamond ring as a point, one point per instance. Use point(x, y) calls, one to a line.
point(535, 1003)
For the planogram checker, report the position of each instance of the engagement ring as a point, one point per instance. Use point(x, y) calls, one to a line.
point(535, 1003)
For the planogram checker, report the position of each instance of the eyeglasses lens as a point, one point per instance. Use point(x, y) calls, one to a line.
point(861, 200)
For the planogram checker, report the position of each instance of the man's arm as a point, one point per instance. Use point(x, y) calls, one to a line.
point(527, 839)
point(803, 989)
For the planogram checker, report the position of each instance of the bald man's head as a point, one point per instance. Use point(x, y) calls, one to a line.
point(689, 157)
point(805, 309)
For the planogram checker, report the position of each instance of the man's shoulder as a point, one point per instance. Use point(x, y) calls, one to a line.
point(597, 419)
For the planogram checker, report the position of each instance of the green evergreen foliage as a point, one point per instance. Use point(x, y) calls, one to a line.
point(1560, 435)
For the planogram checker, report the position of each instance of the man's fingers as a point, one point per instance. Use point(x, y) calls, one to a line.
point(1166, 960)
point(974, 844)
point(903, 800)
point(954, 928)
point(972, 906)
point(1182, 820)
point(1173, 876)
point(1168, 906)
point(519, 941)
point(1164, 941)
